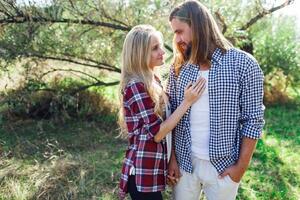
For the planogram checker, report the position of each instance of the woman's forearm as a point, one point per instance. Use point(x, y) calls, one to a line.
point(169, 124)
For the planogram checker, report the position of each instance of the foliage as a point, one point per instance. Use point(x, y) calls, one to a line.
point(85, 38)
point(277, 50)
point(35, 100)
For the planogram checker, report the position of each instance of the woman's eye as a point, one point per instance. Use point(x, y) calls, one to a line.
point(155, 48)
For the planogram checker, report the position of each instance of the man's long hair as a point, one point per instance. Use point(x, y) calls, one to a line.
point(206, 35)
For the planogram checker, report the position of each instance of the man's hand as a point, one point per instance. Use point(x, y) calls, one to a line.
point(235, 172)
point(173, 172)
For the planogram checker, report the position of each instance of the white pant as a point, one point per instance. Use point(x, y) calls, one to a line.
point(204, 177)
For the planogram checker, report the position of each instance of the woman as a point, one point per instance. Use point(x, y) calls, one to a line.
point(142, 112)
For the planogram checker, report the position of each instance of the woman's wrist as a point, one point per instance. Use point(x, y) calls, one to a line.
point(186, 104)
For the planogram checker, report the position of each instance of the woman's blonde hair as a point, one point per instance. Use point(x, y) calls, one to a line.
point(136, 55)
point(206, 35)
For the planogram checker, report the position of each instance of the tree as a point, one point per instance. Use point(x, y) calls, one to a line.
point(89, 34)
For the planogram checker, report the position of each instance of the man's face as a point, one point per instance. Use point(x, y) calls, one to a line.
point(183, 34)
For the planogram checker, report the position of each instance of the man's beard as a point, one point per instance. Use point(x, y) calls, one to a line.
point(188, 51)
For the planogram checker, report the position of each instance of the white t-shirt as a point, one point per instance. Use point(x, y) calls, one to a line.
point(199, 121)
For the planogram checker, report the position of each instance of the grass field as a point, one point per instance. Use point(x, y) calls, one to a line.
point(81, 160)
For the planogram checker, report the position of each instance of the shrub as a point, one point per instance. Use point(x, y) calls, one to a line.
point(55, 100)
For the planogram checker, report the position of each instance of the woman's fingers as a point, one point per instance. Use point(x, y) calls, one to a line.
point(188, 85)
point(197, 82)
point(200, 86)
point(194, 91)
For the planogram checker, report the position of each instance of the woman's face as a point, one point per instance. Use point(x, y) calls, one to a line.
point(156, 51)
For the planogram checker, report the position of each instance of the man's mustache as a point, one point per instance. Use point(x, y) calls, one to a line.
point(182, 43)
point(187, 52)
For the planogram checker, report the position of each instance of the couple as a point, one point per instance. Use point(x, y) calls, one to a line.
point(215, 93)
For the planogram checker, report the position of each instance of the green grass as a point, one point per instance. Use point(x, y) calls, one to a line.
point(275, 169)
point(82, 160)
point(45, 159)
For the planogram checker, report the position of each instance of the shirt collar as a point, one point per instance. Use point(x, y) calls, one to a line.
point(217, 56)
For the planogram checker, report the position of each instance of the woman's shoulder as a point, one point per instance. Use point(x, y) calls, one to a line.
point(132, 84)
point(134, 87)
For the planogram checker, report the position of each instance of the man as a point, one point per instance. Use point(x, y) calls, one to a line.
point(214, 142)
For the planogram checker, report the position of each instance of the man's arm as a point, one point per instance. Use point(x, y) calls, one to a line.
point(247, 150)
point(237, 171)
point(252, 110)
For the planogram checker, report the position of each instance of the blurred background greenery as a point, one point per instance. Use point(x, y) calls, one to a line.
point(60, 67)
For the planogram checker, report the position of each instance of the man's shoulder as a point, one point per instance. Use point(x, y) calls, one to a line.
point(240, 56)
point(241, 61)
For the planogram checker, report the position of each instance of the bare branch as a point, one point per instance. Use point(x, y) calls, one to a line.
point(86, 31)
point(100, 83)
point(97, 83)
point(168, 47)
point(94, 61)
point(77, 10)
point(98, 65)
point(5, 11)
point(18, 20)
point(104, 13)
point(72, 4)
point(265, 12)
point(68, 58)
point(69, 70)
point(15, 15)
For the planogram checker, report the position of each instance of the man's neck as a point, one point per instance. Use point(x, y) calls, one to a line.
point(204, 66)
point(207, 65)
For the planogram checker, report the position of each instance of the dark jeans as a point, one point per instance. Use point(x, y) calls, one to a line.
point(136, 195)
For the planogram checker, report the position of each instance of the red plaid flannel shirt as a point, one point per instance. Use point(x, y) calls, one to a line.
point(148, 157)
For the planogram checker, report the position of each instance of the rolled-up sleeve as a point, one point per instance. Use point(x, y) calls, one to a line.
point(252, 108)
point(142, 107)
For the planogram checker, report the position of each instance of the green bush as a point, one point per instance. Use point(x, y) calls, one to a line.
point(276, 48)
point(55, 100)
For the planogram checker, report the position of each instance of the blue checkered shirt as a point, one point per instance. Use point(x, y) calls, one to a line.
point(235, 88)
